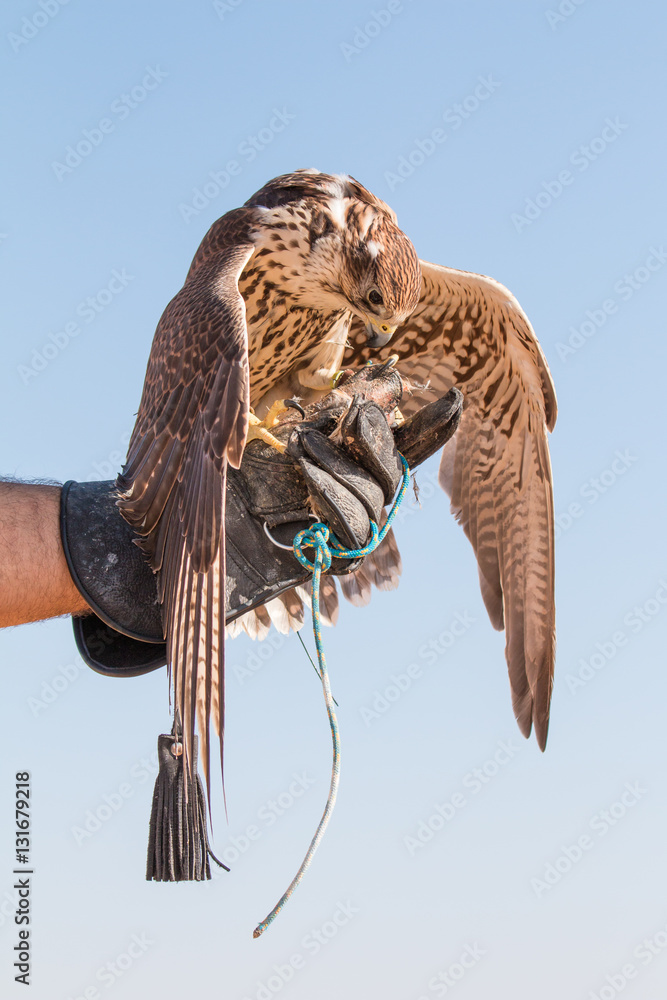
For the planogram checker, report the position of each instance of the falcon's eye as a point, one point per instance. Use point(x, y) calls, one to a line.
point(375, 298)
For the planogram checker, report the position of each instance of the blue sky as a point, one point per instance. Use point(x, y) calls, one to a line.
point(537, 149)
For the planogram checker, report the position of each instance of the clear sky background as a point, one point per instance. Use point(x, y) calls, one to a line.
point(551, 180)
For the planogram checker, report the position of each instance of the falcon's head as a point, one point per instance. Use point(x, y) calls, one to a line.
point(339, 247)
point(380, 276)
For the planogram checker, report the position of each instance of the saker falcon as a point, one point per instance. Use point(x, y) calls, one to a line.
point(310, 274)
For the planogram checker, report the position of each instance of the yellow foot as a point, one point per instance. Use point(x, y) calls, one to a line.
point(261, 429)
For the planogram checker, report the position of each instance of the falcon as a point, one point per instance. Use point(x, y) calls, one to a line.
point(311, 274)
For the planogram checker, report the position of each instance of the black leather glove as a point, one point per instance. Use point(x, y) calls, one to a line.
point(341, 464)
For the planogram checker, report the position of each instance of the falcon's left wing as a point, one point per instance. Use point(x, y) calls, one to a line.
point(469, 331)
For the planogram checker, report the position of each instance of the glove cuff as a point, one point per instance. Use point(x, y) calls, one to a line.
point(123, 636)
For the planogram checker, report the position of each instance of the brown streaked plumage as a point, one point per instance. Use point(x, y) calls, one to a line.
point(276, 291)
point(469, 331)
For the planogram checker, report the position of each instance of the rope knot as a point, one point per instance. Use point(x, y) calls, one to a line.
point(317, 538)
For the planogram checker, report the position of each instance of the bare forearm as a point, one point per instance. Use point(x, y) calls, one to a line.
point(35, 582)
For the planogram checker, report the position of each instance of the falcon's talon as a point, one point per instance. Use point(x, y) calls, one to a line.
point(390, 362)
point(275, 410)
point(260, 430)
point(295, 405)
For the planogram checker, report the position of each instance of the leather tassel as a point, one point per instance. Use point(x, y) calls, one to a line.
point(178, 847)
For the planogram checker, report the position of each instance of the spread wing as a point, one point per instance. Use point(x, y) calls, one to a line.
point(470, 331)
point(193, 419)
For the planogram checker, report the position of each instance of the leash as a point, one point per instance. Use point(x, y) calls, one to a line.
point(326, 546)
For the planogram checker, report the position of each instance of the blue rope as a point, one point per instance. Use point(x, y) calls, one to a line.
point(320, 538)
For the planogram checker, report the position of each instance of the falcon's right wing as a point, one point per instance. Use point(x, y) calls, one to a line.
point(192, 420)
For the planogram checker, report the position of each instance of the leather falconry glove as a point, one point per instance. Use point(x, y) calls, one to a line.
point(341, 465)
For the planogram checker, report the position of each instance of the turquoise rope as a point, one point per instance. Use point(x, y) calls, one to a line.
point(320, 538)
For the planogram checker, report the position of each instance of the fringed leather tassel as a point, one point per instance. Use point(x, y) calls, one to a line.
point(178, 847)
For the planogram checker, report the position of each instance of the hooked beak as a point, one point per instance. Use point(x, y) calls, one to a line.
point(378, 334)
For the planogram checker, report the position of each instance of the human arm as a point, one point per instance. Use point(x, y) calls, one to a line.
point(35, 582)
